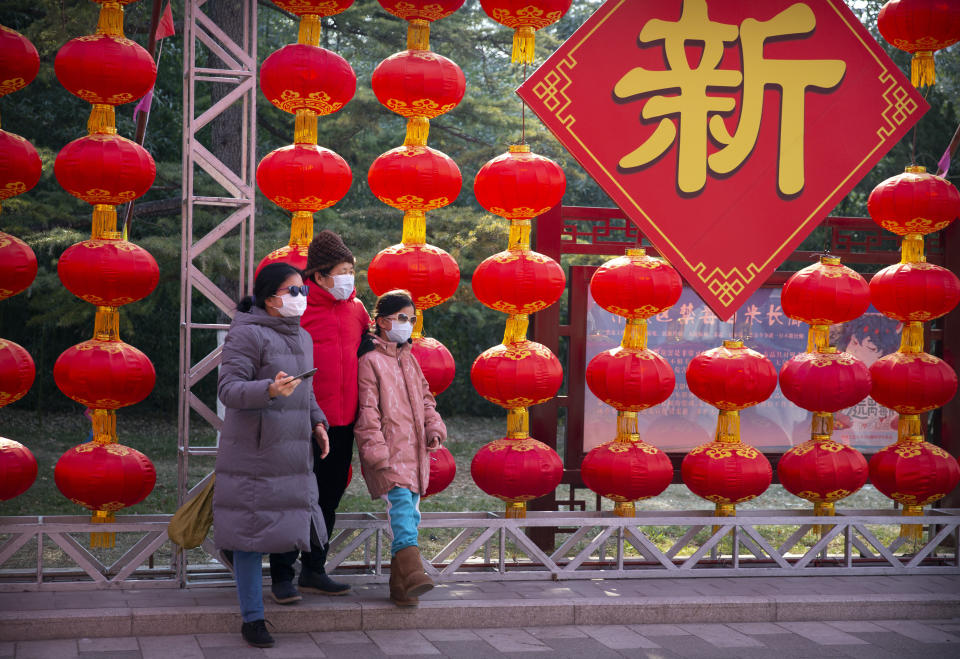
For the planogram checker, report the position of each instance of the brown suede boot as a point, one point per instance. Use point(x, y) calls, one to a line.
point(397, 593)
point(414, 580)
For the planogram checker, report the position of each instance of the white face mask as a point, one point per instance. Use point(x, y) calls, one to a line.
point(342, 286)
point(400, 333)
point(292, 306)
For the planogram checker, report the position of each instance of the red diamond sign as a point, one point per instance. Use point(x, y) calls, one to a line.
point(725, 129)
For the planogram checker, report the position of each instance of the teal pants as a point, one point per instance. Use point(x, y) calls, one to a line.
point(403, 512)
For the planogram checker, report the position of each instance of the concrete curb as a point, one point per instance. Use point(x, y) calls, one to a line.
point(344, 615)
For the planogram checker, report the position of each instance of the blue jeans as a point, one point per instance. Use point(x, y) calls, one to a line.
point(403, 511)
point(248, 571)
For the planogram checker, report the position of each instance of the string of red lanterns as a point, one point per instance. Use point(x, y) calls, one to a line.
point(104, 169)
point(631, 378)
point(20, 168)
point(912, 471)
point(518, 373)
point(419, 85)
point(823, 381)
point(307, 81)
point(727, 471)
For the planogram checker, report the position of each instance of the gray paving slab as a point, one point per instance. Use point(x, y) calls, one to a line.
point(466, 649)
point(555, 632)
point(618, 637)
point(121, 654)
point(722, 636)
point(659, 630)
point(323, 639)
point(822, 633)
point(451, 635)
point(162, 647)
point(919, 632)
point(396, 642)
point(855, 626)
point(116, 644)
point(7, 648)
point(293, 645)
point(244, 652)
point(60, 649)
point(578, 648)
point(512, 640)
point(756, 628)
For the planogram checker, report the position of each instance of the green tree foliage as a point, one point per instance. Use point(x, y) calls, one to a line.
point(47, 319)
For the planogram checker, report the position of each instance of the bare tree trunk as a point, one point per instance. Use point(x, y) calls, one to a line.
point(226, 127)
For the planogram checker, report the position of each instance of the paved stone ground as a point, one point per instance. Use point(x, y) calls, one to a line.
point(874, 639)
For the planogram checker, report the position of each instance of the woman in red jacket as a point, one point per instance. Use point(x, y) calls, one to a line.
point(336, 320)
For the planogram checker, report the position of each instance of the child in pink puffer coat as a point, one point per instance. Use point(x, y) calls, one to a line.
point(396, 428)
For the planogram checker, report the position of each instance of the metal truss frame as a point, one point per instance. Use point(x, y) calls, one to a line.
point(488, 546)
point(238, 67)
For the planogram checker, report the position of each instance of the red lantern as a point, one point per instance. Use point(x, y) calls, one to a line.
point(18, 265)
point(726, 473)
point(105, 477)
point(104, 375)
point(436, 362)
point(304, 77)
point(415, 178)
point(731, 377)
point(519, 185)
point(516, 470)
point(518, 282)
point(822, 471)
point(105, 69)
point(825, 293)
point(517, 375)
point(17, 372)
point(630, 380)
point(825, 381)
point(418, 83)
point(304, 177)
point(626, 471)
point(19, 61)
point(443, 469)
point(108, 273)
point(20, 166)
point(914, 473)
point(18, 467)
point(912, 383)
point(635, 286)
point(320, 8)
point(914, 202)
point(525, 17)
point(295, 255)
point(914, 291)
point(105, 169)
point(920, 27)
point(429, 273)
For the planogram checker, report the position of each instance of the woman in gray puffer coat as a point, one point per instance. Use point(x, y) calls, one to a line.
point(265, 499)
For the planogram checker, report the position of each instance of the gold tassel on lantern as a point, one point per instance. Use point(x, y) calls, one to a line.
point(102, 120)
point(418, 130)
point(723, 510)
point(912, 531)
point(105, 539)
point(309, 30)
point(818, 337)
point(524, 42)
point(305, 127)
point(104, 226)
point(414, 228)
point(635, 334)
point(911, 248)
point(516, 329)
point(922, 71)
point(518, 427)
point(106, 324)
point(301, 229)
point(418, 34)
point(110, 21)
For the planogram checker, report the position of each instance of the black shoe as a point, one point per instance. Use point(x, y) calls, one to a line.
point(319, 582)
point(255, 633)
point(284, 592)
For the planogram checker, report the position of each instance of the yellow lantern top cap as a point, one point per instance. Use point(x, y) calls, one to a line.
point(636, 251)
point(519, 148)
point(915, 169)
point(830, 260)
point(732, 343)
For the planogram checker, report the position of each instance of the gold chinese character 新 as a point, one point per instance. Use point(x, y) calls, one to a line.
point(697, 109)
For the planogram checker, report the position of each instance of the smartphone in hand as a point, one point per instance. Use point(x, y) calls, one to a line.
point(305, 374)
